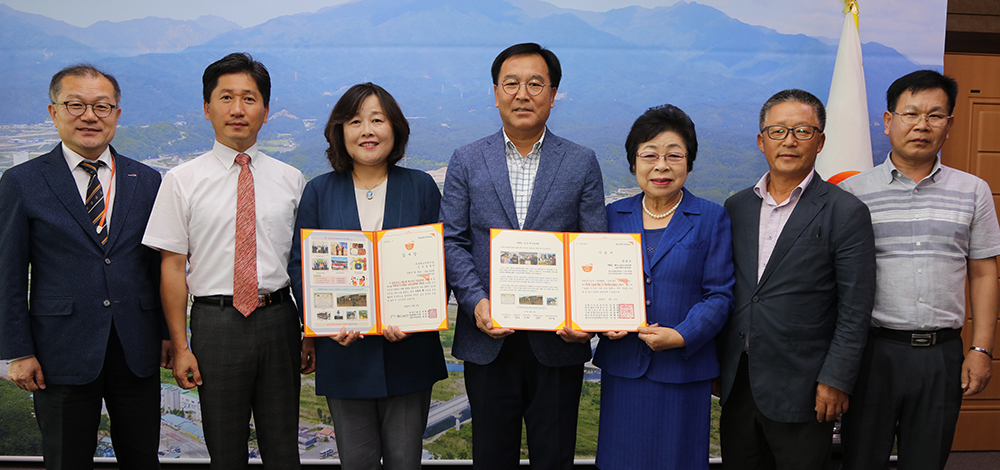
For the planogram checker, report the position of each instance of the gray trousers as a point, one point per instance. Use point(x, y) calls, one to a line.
point(248, 365)
point(390, 429)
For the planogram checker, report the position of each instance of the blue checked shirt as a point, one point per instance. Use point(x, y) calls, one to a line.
point(522, 171)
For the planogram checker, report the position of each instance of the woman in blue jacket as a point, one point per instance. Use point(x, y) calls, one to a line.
point(656, 384)
point(378, 388)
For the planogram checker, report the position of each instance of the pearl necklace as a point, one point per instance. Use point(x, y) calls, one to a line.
point(671, 211)
point(370, 194)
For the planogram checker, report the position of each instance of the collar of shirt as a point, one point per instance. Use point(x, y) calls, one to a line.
point(227, 155)
point(535, 149)
point(890, 172)
point(73, 159)
point(761, 190)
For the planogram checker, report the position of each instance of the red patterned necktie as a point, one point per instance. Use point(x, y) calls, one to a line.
point(245, 271)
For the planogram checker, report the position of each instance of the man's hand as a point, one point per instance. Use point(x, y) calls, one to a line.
point(345, 338)
point(570, 335)
point(166, 355)
point(830, 403)
point(393, 333)
point(26, 373)
point(186, 371)
point(660, 338)
point(976, 372)
point(485, 322)
point(308, 364)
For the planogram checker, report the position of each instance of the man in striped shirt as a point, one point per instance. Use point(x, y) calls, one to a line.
point(934, 227)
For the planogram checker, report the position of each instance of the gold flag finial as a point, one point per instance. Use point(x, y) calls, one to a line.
point(851, 6)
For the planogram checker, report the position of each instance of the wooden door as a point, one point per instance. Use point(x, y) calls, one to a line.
point(974, 146)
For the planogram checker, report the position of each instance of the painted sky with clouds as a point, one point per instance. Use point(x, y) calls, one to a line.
point(915, 28)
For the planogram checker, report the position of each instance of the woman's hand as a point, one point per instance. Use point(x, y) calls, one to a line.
point(393, 334)
point(615, 334)
point(661, 338)
point(345, 338)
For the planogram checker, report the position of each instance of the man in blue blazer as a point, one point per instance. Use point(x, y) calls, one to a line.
point(522, 177)
point(92, 330)
point(804, 256)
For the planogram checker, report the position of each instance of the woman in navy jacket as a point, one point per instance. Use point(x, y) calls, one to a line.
point(378, 388)
point(656, 384)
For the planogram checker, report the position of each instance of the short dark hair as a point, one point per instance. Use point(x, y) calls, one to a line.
point(346, 108)
point(81, 70)
point(529, 48)
point(655, 121)
point(919, 81)
point(794, 94)
point(237, 62)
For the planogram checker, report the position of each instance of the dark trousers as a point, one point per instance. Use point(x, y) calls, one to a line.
point(515, 386)
point(381, 432)
point(248, 365)
point(908, 393)
point(69, 415)
point(752, 441)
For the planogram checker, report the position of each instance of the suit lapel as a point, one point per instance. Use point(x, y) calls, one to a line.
point(548, 167)
point(394, 192)
point(677, 229)
point(347, 205)
point(629, 220)
point(495, 157)
point(811, 202)
point(125, 181)
point(61, 182)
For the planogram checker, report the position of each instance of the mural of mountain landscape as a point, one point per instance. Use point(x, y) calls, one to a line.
point(434, 56)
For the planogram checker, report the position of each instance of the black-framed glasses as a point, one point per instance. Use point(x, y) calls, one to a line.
point(78, 108)
point(799, 132)
point(933, 119)
point(651, 157)
point(533, 87)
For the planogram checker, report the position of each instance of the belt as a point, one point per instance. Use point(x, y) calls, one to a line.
point(263, 300)
point(917, 338)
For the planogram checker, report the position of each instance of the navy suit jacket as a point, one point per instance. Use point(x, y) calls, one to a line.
point(372, 367)
point(689, 287)
point(78, 286)
point(808, 316)
point(568, 196)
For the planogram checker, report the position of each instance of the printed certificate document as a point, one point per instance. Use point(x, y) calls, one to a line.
point(546, 280)
point(366, 280)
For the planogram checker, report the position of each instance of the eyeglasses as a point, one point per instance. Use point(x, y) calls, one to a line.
point(650, 157)
point(78, 108)
point(800, 132)
point(533, 87)
point(933, 119)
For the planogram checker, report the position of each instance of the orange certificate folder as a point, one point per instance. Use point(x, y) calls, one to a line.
point(367, 280)
point(547, 280)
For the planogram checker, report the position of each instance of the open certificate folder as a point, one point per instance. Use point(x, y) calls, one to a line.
point(366, 280)
point(545, 280)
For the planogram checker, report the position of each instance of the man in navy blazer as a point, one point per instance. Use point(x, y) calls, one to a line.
point(522, 177)
point(92, 328)
point(804, 256)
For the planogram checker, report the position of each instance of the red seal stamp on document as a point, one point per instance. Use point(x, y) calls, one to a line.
point(626, 311)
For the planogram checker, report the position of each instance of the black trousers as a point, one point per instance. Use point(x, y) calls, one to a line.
point(752, 441)
point(248, 365)
point(908, 393)
point(69, 415)
point(516, 386)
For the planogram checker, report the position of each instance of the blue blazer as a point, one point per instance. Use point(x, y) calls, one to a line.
point(372, 367)
point(689, 287)
point(807, 316)
point(78, 286)
point(568, 196)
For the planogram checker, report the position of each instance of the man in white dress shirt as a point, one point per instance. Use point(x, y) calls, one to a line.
point(229, 214)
